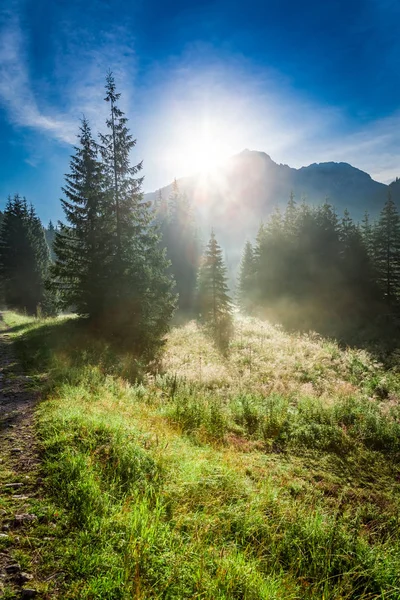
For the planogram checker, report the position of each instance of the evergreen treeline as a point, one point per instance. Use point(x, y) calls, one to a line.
point(310, 269)
point(24, 259)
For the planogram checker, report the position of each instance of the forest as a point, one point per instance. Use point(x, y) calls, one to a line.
point(168, 435)
point(128, 267)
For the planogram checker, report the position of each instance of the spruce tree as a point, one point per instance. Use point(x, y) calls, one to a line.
point(214, 303)
point(161, 207)
point(79, 271)
point(347, 232)
point(246, 280)
point(181, 241)
point(291, 263)
point(309, 268)
point(314, 271)
point(358, 295)
point(290, 218)
point(259, 257)
point(40, 293)
point(270, 259)
point(24, 257)
point(367, 232)
point(50, 234)
point(140, 299)
point(387, 251)
point(124, 187)
point(323, 265)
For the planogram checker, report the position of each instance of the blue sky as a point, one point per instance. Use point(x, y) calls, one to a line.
point(305, 82)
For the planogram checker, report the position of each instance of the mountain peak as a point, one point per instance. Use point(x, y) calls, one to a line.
point(335, 167)
point(253, 184)
point(258, 153)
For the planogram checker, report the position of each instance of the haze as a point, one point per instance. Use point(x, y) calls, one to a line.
point(305, 82)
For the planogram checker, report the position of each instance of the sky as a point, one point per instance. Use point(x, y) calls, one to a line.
point(200, 80)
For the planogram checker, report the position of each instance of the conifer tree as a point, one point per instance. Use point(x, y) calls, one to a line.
point(181, 241)
point(269, 257)
point(259, 257)
point(24, 257)
point(347, 232)
point(214, 303)
point(40, 293)
point(79, 272)
point(161, 207)
point(358, 293)
point(140, 298)
point(246, 280)
point(258, 245)
point(291, 262)
point(323, 264)
point(387, 251)
point(367, 233)
point(50, 234)
point(122, 184)
point(290, 217)
point(314, 271)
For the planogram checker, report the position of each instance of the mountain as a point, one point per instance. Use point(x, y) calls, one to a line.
point(236, 197)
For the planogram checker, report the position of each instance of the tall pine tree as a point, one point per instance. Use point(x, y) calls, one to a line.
point(214, 303)
point(358, 292)
point(180, 238)
point(367, 232)
point(50, 234)
point(79, 271)
point(387, 251)
point(246, 280)
point(40, 292)
point(140, 298)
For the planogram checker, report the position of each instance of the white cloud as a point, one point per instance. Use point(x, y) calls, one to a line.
point(15, 87)
point(81, 80)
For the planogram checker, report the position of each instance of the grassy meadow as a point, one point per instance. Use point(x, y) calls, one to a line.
point(271, 472)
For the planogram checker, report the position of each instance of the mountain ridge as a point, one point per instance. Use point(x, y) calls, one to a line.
point(237, 196)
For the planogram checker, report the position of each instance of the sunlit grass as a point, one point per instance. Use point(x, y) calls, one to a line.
point(264, 359)
point(268, 473)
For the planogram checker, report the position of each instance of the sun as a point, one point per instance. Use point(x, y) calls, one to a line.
point(209, 152)
point(203, 147)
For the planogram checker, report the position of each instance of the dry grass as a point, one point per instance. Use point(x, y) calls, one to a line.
point(263, 358)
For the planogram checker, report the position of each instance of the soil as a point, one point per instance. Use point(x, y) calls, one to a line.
point(19, 472)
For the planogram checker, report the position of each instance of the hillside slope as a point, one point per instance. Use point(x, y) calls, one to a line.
point(269, 473)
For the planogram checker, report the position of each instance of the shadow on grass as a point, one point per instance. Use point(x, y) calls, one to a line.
point(72, 344)
point(378, 334)
point(16, 328)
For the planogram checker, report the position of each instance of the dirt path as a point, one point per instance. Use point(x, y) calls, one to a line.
point(19, 478)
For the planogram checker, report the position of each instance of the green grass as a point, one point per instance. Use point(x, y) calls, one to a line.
point(272, 472)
